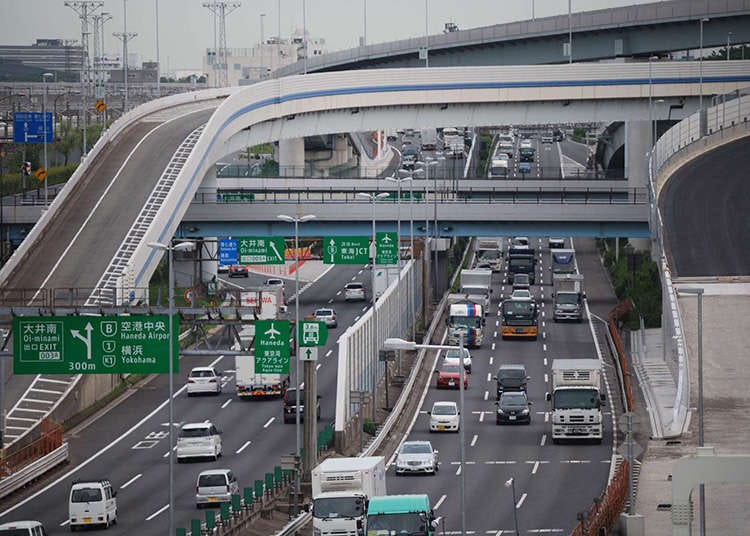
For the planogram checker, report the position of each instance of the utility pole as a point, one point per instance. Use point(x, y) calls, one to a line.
point(125, 36)
point(220, 9)
point(85, 10)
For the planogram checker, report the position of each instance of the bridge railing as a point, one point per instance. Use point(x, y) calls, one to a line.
point(728, 118)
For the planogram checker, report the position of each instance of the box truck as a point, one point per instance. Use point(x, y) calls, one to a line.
point(577, 399)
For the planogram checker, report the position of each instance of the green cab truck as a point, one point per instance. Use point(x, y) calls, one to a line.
point(394, 515)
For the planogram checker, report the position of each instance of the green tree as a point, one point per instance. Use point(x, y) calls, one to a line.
point(68, 139)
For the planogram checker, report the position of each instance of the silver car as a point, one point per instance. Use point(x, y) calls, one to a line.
point(215, 486)
point(417, 457)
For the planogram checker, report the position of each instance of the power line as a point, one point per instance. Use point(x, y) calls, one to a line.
point(220, 9)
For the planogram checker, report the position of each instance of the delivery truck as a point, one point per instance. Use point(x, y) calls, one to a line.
point(341, 490)
point(477, 286)
point(567, 297)
point(577, 399)
point(465, 318)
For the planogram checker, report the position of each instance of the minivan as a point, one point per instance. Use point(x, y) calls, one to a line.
point(22, 528)
point(198, 440)
point(215, 486)
point(92, 503)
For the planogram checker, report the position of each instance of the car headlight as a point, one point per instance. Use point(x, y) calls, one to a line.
point(500, 411)
point(525, 411)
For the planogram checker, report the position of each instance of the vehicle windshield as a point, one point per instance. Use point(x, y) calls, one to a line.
point(499, 170)
point(415, 448)
point(195, 432)
point(449, 369)
point(444, 409)
point(410, 524)
point(15, 532)
point(512, 399)
point(489, 254)
point(511, 373)
point(521, 279)
point(519, 262)
point(338, 507)
point(206, 481)
point(201, 374)
point(324, 312)
point(82, 495)
point(454, 353)
point(518, 308)
point(566, 299)
point(473, 322)
point(576, 399)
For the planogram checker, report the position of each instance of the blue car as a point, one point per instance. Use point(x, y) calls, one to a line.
point(524, 167)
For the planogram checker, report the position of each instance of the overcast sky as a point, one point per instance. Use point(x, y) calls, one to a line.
point(186, 27)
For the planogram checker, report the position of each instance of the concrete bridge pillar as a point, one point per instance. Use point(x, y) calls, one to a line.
point(342, 151)
point(292, 157)
point(637, 147)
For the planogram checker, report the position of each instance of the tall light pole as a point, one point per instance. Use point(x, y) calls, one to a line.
point(398, 181)
point(412, 294)
point(426, 35)
point(45, 77)
point(729, 37)
point(700, 66)
point(400, 344)
point(374, 363)
point(698, 291)
point(262, 37)
point(182, 246)
point(310, 387)
point(158, 59)
point(511, 483)
point(570, 32)
point(364, 23)
point(304, 33)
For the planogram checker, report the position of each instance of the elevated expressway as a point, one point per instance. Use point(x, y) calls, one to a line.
point(141, 178)
point(640, 30)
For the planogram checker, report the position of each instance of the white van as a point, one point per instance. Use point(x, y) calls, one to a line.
point(22, 528)
point(92, 503)
point(215, 486)
point(198, 440)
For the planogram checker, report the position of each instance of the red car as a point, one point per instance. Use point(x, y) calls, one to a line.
point(449, 377)
point(239, 270)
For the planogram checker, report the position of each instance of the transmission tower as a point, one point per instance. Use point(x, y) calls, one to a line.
point(99, 20)
point(85, 9)
point(125, 37)
point(220, 9)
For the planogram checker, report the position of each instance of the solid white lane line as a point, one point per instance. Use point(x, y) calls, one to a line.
point(520, 501)
point(225, 404)
point(474, 440)
point(439, 502)
point(159, 511)
point(544, 440)
point(269, 422)
point(126, 484)
point(535, 469)
point(329, 352)
point(243, 447)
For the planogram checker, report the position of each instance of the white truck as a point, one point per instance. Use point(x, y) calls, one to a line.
point(477, 286)
point(562, 261)
point(466, 318)
point(268, 303)
point(577, 399)
point(453, 145)
point(489, 253)
point(567, 297)
point(341, 489)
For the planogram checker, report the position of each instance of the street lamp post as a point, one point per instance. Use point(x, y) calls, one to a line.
point(702, 491)
point(45, 76)
point(398, 181)
point(182, 246)
point(374, 363)
point(511, 483)
point(310, 389)
point(262, 71)
point(158, 61)
point(700, 66)
point(401, 344)
point(570, 32)
point(729, 37)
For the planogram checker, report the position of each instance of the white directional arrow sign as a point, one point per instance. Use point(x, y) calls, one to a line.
point(309, 353)
point(86, 340)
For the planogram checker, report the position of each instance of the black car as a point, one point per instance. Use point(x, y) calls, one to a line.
point(511, 378)
point(513, 407)
point(290, 405)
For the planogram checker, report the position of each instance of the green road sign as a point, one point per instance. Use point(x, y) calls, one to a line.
point(313, 333)
point(386, 251)
point(237, 197)
point(346, 250)
point(93, 344)
point(261, 250)
point(272, 346)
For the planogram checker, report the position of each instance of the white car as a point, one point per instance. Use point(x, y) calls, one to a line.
point(444, 417)
point(354, 291)
point(275, 282)
point(556, 242)
point(521, 294)
point(204, 380)
point(215, 486)
point(326, 315)
point(222, 268)
point(92, 502)
point(452, 355)
point(23, 528)
point(198, 440)
point(416, 457)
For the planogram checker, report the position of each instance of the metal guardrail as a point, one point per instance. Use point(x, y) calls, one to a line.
point(34, 470)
